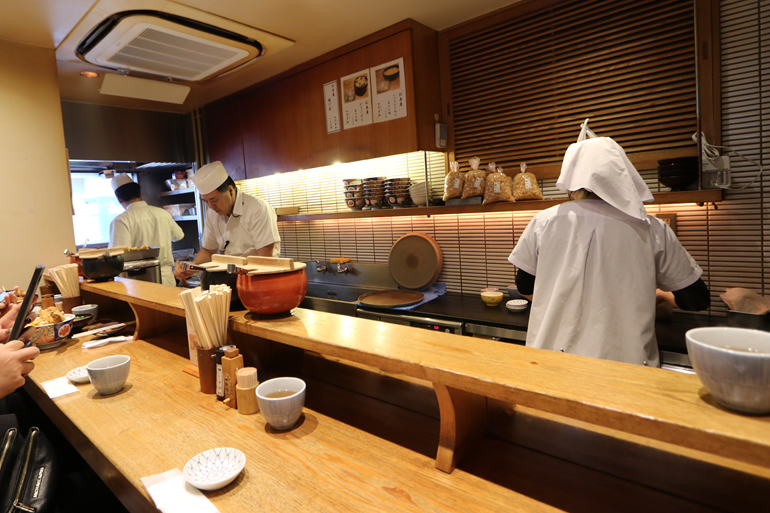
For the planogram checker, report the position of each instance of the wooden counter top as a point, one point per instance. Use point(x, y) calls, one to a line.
point(652, 403)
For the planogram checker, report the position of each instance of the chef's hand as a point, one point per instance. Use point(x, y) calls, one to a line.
point(180, 274)
point(664, 297)
point(15, 364)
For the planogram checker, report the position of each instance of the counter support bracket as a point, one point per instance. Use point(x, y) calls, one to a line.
point(463, 424)
point(149, 322)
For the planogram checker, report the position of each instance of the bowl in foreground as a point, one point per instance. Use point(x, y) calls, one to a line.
point(215, 468)
point(48, 333)
point(734, 366)
point(281, 401)
point(109, 374)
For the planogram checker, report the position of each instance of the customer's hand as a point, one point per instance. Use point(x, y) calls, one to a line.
point(14, 365)
point(9, 316)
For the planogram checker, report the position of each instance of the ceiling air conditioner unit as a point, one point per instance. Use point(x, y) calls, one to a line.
point(167, 45)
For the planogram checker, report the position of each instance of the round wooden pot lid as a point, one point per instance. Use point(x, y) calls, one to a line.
point(391, 298)
point(415, 261)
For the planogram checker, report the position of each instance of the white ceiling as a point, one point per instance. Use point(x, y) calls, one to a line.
point(316, 27)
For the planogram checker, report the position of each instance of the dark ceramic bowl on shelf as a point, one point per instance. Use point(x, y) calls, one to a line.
point(677, 171)
point(102, 268)
point(678, 182)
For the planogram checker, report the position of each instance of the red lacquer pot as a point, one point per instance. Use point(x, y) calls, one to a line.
point(272, 293)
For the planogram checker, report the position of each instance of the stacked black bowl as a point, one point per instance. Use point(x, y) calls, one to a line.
point(678, 173)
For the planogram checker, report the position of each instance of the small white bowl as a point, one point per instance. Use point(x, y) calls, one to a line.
point(734, 366)
point(109, 374)
point(86, 309)
point(282, 412)
point(78, 375)
point(517, 305)
point(215, 468)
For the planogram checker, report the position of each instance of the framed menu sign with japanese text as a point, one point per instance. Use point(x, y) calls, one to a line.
point(332, 107)
point(356, 100)
point(389, 91)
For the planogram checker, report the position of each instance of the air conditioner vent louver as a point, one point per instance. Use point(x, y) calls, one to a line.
point(174, 48)
point(159, 51)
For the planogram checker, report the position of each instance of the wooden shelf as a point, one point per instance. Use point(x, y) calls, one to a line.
point(661, 198)
point(178, 191)
point(185, 218)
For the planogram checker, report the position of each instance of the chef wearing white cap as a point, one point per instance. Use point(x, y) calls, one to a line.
point(591, 266)
point(144, 225)
point(236, 223)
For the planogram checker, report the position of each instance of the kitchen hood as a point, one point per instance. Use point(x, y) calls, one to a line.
point(164, 39)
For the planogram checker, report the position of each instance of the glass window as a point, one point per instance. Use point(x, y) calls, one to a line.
point(95, 207)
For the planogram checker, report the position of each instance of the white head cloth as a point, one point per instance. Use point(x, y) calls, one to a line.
point(120, 180)
point(601, 166)
point(209, 177)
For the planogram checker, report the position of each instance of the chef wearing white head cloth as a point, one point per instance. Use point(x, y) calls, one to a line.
point(143, 225)
point(591, 266)
point(236, 223)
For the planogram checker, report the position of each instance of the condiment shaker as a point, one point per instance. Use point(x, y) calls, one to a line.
point(246, 390)
point(232, 362)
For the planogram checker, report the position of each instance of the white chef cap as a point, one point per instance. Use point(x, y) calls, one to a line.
point(601, 166)
point(210, 177)
point(120, 180)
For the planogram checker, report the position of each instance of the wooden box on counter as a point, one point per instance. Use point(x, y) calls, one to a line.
point(280, 125)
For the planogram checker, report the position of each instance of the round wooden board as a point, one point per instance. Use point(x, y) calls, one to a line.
point(391, 298)
point(415, 261)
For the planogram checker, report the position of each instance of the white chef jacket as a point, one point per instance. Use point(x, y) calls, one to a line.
point(597, 269)
point(145, 225)
point(252, 225)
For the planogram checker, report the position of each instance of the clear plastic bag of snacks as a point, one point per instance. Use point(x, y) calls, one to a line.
point(475, 180)
point(525, 185)
point(453, 183)
point(499, 187)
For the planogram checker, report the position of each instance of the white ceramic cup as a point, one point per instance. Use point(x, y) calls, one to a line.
point(109, 374)
point(734, 366)
point(283, 412)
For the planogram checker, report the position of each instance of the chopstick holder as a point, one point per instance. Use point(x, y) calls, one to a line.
point(172, 494)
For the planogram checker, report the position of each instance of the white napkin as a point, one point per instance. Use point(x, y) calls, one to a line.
point(58, 387)
point(172, 494)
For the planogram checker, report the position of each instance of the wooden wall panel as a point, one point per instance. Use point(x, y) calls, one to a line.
point(224, 134)
point(284, 123)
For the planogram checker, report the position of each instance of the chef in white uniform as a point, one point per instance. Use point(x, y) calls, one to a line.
point(144, 225)
point(236, 223)
point(593, 265)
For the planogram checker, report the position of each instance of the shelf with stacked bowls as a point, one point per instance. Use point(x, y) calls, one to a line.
point(374, 192)
point(417, 194)
point(397, 192)
point(354, 193)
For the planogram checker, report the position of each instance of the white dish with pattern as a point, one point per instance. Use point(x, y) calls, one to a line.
point(215, 468)
point(79, 375)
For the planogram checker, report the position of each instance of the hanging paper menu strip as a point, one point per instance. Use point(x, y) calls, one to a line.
point(389, 91)
point(356, 99)
point(332, 104)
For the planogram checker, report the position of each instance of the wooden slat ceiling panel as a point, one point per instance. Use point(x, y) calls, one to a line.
point(521, 89)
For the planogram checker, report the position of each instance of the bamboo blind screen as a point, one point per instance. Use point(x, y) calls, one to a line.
point(520, 88)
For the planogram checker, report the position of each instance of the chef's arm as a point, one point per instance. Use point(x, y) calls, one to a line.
point(203, 256)
point(525, 284)
point(693, 298)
